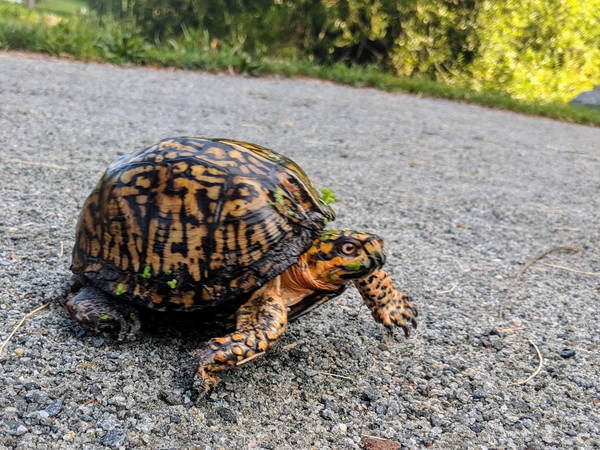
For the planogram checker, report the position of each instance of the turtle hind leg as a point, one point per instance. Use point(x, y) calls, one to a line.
point(96, 311)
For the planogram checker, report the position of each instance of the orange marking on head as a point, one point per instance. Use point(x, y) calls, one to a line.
point(326, 247)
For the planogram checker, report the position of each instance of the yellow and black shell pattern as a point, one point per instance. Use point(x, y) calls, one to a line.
point(194, 223)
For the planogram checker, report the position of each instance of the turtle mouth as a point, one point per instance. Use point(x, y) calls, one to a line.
point(374, 262)
point(377, 259)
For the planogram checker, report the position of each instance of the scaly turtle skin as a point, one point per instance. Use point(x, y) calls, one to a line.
point(222, 227)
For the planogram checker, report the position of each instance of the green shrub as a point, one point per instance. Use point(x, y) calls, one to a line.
point(538, 49)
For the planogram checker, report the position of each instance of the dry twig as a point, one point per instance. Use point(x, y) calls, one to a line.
point(335, 375)
point(290, 346)
point(249, 358)
point(21, 322)
point(569, 269)
point(538, 368)
point(531, 262)
point(447, 291)
point(456, 260)
point(509, 330)
point(37, 163)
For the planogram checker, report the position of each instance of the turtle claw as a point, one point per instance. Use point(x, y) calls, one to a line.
point(397, 312)
point(203, 382)
point(129, 329)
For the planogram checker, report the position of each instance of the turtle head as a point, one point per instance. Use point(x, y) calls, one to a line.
point(339, 256)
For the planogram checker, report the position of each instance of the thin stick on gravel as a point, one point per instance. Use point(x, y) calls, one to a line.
point(290, 346)
point(37, 163)
point(538, 368)
point(21, 322)
point(335, 375)
point(531, 262)
point(455, 259)
point(509, 330)
point(447, 291)
point(570, 269)
point(249, 358)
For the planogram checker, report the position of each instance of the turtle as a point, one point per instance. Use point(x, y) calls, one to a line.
point(225, 229)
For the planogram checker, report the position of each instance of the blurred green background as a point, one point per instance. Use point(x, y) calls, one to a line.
point(532, 51)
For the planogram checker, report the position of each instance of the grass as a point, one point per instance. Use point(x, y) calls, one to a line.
point(61, 7)
point(91, 39)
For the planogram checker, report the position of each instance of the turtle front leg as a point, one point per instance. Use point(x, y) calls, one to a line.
point(259, 324)
point(96, 311)
point(389, 306)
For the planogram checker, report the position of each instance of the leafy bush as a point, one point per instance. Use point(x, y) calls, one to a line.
point(538, 49)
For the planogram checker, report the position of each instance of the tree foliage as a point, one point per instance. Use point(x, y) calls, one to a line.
point(531, 48)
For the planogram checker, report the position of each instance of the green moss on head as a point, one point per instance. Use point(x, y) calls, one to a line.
point(327, 235)
point(172, 283)
point(327, 196)
point(103, 316)
point(147, 273)
point(120, 289)
point(354, 265)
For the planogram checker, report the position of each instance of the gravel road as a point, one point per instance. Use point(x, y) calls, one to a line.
point(464, 196)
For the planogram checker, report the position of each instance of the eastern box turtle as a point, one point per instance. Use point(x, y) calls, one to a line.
point(223, 227)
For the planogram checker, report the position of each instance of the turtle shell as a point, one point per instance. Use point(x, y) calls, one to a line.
point(193, 223)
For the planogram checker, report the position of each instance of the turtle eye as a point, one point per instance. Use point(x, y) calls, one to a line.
point(348, 248)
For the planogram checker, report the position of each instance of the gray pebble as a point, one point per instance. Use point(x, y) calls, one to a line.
point(226, 414)
point(114, 438)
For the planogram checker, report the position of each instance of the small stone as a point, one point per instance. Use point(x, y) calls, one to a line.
point(170, 398)
point(10, 412)
point(327, 414)
point(480, 394)
point(369, 394)
point(21, 430)
point(97, 342)
point(54, 408)
point(108, 424)
point(567, 353)
point(19, 351)
point(527, 423)
point(40, 417)
point(118, 400)
point(340, 428)
point(435, 421)
point(369, 443)
point(114, 438)
point(227, 414)
point(476, 427)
